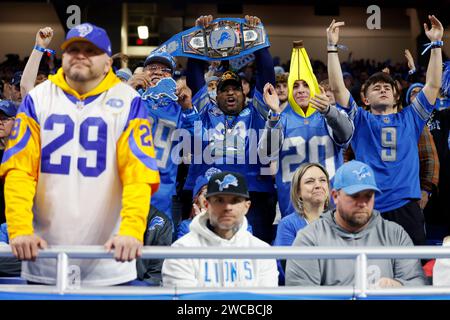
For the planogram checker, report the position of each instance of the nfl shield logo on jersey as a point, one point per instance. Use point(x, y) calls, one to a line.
point(115, 103)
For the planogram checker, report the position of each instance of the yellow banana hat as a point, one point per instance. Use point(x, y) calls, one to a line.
point(301, 69)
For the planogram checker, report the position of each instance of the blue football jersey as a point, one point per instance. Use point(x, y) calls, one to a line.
point(165, 116)
point(305, 139)
point(287, 229)
point(389, 144)
point(230, 143)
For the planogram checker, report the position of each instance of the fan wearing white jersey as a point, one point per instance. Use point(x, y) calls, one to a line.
point(80, 166)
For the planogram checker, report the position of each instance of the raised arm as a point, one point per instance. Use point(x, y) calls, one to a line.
point(264, 69)
point(195, 75)
point(410, 60)
point(335, 77)
point(434, 71)
point(263, 59)
point(272, 137)
point(43, 38)
point(339, 122)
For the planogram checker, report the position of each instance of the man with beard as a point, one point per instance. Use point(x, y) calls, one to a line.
point(80, 167)
point(223, 224)
point(354, 223)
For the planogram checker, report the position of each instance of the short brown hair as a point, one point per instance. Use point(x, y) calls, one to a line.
point(379, 77)
point(282, 78)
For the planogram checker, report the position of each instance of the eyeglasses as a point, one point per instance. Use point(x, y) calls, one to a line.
point(154, 68)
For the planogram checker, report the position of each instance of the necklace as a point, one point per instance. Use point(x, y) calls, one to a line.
point(230, 122)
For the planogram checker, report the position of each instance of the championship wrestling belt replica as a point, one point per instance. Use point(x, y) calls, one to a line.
point(223, 39)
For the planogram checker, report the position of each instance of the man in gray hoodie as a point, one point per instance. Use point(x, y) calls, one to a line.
point(354, 223)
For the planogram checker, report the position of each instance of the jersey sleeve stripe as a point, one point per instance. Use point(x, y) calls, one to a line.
point(353, 108)
point(145, 159)
point(137, 111)
point(27, 107)
point(420, 110)
point(18, 147)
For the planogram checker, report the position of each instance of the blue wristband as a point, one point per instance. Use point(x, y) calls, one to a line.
point(44, 50)
point(432, 45)
point(273, 114)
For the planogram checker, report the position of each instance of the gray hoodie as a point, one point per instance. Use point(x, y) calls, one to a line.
point(327, 233)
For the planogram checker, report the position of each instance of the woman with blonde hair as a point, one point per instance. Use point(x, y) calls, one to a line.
point(310, 197)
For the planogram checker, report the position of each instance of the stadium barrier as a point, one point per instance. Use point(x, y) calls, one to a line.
point(360, 290)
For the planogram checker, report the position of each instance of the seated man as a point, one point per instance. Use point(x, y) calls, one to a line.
point(354, 223)
point(223, 224)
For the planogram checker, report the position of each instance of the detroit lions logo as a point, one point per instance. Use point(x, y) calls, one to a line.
point(211, 171)
point(156, 221)
point(373, 276)
point(362, 173)
point(164, 87)
point(228, 180)
point(172, 47)
point(4, 104)
point(84, 29)
point(224, 36)
point(115, 103)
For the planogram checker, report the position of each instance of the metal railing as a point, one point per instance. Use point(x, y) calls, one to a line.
point(359, 290)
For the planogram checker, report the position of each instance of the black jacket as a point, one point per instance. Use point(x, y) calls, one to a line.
point(158, 233)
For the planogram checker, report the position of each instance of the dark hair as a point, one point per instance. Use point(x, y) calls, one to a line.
point(378, 77)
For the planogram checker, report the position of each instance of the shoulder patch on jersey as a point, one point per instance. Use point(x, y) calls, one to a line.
point(156, 221)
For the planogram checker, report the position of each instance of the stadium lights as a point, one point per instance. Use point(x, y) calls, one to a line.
point(142, 32)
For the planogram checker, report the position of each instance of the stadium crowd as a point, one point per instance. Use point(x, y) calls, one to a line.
point(243, 154)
